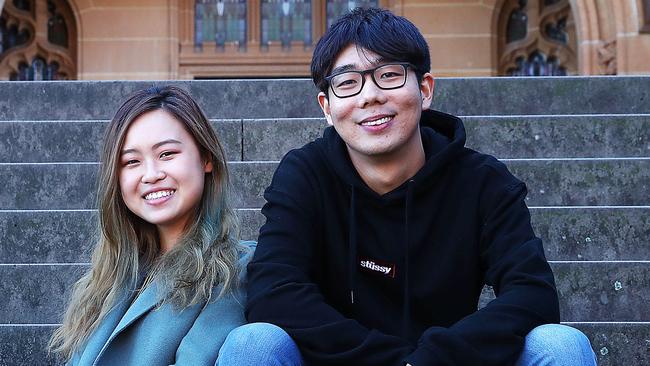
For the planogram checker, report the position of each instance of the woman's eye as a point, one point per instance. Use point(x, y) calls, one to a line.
point(131, 162)
point(167, 154)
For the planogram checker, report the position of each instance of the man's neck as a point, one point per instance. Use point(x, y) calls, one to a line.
point(385, 173)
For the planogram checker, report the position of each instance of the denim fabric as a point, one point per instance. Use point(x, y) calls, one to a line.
point(267, 344)
point(257, 344)
point(556, 345)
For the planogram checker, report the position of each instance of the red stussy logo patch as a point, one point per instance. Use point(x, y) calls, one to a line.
point(378, 267)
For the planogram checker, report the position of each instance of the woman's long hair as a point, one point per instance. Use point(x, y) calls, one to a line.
point(205, 256)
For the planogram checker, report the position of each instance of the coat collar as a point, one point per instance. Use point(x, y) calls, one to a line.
point(147, 300)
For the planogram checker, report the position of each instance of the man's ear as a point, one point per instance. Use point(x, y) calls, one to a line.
point(325, 106)
point(426, 90)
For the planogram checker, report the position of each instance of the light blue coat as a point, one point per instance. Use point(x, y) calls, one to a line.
point(144, 334)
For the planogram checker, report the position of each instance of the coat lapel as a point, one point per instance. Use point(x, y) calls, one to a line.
point(147, 300)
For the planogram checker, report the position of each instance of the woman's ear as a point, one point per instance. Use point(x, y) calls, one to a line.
point(208, 167)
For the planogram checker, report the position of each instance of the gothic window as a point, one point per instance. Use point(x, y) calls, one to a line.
point(37, 40)
point(254, 37)
point(537, 38)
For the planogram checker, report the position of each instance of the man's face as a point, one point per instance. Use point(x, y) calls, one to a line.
point(377, 123)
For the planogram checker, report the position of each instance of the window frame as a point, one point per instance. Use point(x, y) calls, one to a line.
point(253, 62)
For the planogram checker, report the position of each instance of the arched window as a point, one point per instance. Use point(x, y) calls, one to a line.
point(254, 37)
point(37, 40)
point(537, 38)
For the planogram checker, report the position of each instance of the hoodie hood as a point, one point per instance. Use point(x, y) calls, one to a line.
point(443, 138)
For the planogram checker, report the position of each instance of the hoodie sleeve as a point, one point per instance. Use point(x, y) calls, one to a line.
point(514, 265)
point(281, 289)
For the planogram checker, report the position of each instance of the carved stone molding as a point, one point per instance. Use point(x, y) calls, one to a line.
point(39, 42)
point(537, 38)
point(607, 58)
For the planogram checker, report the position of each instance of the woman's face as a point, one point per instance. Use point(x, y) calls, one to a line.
point(161, 172)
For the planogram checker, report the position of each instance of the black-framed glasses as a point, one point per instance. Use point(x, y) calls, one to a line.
point(350, 83)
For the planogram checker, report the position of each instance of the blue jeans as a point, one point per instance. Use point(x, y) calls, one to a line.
point(267, 344)
point(557, 345)
point(258, 344)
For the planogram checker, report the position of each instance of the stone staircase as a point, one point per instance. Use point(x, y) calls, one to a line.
point(582, 145)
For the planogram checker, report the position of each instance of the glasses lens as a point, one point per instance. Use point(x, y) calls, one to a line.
point(347, 83)
point(390, 76)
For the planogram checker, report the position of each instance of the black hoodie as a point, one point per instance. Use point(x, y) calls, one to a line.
point(358, 278)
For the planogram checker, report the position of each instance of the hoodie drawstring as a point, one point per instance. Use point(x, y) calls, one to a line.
point(353, 247)
point(406, 304)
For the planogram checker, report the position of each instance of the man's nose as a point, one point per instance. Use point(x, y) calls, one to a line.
point(370, 93)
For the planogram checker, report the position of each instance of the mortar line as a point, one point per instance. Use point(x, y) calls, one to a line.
point(259, 208)
point(58, 264)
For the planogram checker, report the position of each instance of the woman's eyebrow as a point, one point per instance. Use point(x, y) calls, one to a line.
point(155, 146)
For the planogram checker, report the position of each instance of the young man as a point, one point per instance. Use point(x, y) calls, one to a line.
point(380, 235)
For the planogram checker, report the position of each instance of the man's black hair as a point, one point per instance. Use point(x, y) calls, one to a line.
point(392, 37)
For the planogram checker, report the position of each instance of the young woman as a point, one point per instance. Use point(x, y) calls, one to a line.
point(163, 286)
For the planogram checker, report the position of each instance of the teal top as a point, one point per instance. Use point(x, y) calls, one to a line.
point(140, 332)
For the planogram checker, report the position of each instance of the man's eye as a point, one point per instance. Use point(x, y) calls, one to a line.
point(346, 83)
point(390, 74)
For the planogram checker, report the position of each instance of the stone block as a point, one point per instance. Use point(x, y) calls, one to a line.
point(26, 345)
point(618, 344)
point(270, 139)
point(593, 234)
point(36, 294)
point(220, 99)
point(296, 98)
point(550, 183)
point(598, 291)
point(32, 237)
point(584, 182)
point(80, 141)
point(542, 96)
point(560, 136)
point(580, 234)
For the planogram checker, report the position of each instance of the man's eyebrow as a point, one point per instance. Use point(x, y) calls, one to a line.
point(342, 68)
point(155, 146)
point(348, 67)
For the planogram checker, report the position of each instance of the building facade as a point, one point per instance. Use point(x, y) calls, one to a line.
point(200, 39)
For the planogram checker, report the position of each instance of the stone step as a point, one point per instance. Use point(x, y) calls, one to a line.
point(282, 98)
point(80, 141)
point(564, 182)
point(588, 291)
point(591, 291)
point(270, 139)
point(581, 234)
point(504, 137)
point(615, 344)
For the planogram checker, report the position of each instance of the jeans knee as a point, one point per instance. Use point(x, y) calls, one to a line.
point(259, 344)
point(556, 344)
point(557, 335)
